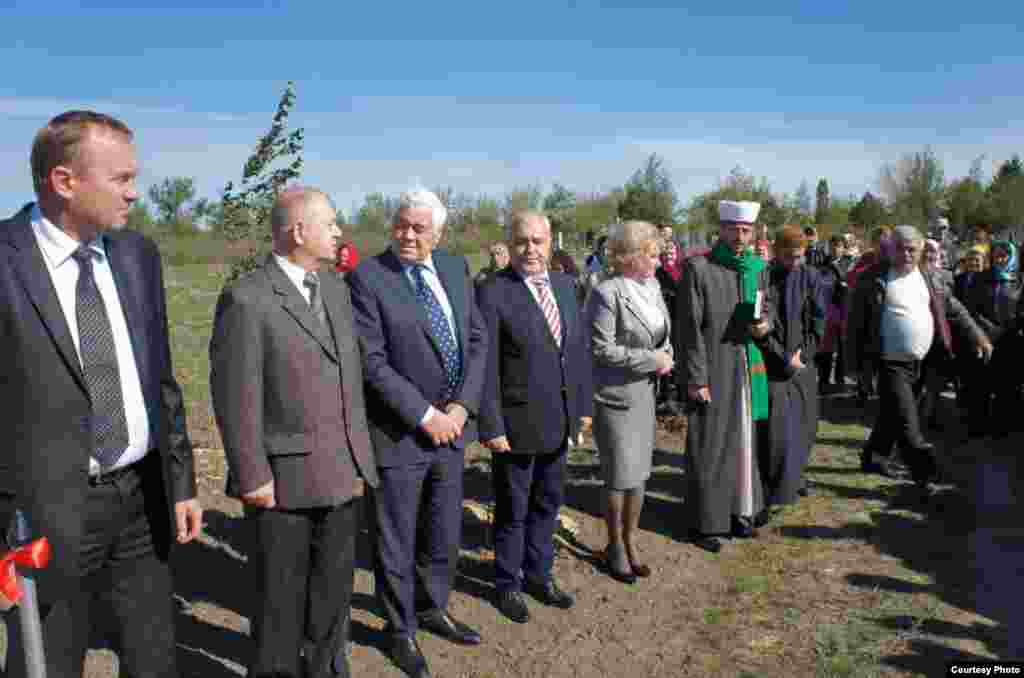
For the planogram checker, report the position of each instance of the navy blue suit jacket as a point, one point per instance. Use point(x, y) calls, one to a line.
point(535, 392)
point(402, 362)
point(47, 439)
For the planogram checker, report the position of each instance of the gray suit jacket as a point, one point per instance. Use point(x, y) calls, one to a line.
point(287, 396)
point(622, 342)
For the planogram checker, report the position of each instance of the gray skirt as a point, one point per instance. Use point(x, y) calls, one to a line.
point(625, 441)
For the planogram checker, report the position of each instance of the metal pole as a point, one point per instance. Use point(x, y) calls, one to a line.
point(28, 608)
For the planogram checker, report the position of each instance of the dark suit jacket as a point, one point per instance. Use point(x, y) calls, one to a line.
point(404, 372)
point(47, 442)
point(288, 398)
point(535, 392)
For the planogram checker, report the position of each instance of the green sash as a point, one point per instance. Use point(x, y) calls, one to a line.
point(749, 267)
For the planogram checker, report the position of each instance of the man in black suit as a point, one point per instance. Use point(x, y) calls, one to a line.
point(423, 342)
point(537, 398)
point(287, 389)
point(95, 448)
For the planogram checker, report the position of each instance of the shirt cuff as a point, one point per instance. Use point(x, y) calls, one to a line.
point(428, 415)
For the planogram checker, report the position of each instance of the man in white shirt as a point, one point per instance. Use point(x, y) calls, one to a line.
point(95, 448)
point(895, 317)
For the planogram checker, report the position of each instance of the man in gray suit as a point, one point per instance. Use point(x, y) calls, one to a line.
point(287, 388)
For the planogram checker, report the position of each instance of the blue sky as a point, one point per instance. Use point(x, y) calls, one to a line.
point(486, 96)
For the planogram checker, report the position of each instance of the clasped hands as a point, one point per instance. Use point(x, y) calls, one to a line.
point(501, 444)
point(446, 427)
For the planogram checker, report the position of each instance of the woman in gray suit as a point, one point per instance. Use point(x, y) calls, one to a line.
point(630, 341)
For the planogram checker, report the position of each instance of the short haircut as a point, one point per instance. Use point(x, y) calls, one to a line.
point(519, 218)
point(420, 197)
point(631, 239)
point(288, 201)
point(810, 232)
point(907, 234)
point(838, 239)
point(59, 142)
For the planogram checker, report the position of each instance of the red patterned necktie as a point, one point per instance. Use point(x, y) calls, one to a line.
point(550, 309)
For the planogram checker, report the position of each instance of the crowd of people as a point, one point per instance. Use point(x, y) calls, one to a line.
point(335, 376)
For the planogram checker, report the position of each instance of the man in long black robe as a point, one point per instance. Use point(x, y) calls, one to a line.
point(798, 297)
point(711, 334)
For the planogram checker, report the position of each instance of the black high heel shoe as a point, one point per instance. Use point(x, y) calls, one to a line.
point(617, 575)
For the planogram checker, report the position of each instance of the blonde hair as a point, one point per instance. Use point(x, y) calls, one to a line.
point(59, 143)
point(630, 240)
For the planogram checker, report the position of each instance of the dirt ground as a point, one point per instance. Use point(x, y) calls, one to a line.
point(862, 578)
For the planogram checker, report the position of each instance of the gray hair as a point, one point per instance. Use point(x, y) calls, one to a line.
point(420, 197)
point(907, 234)
point(520, 217)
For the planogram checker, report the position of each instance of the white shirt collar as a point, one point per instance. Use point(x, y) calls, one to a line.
point(295, 273)
point(427, 263)
point(58, 246)
point(528, 279)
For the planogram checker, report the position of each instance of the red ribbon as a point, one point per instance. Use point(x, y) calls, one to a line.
point(35, 554)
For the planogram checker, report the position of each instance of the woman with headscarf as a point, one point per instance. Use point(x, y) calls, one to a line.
point(997, 305)
point(798, 295)
point(348, 259)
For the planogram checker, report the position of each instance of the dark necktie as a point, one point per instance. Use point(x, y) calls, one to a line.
point(441, 330)
point(99, 364)
point(316, 302)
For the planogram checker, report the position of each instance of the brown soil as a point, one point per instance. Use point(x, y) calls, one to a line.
point(859, 579)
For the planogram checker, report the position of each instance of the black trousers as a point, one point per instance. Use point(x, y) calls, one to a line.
point(992, 391)
point(898, 417)
point(305, 559)
point(528, 491)
point(121, 575)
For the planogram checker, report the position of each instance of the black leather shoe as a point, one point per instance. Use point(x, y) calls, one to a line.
point(706, 542)
point(549, 594)
point(743, 528)
point(442, 624)
point(763, 518)
point(512, 605)
point(869, 465)
point(406, 654)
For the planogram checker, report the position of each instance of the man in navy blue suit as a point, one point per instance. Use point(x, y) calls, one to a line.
point(424, 344)
point(536, 400)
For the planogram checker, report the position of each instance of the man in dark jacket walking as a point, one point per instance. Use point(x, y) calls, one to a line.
point(895, 316)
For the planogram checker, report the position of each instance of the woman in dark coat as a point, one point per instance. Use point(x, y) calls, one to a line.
point(668, 278)
point(798, 297)
point(997, 305)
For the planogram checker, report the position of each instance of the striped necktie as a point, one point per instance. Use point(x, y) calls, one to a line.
point(549, 308)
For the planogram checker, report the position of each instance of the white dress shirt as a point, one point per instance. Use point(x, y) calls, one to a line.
point(295, 273)
point(434, 283)
point(57, 247)
point(528, 281)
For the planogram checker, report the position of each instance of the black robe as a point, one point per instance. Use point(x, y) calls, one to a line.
point(711, 349)
point(799, 298)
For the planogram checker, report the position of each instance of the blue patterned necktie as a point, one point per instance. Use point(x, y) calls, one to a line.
point(99, 365)
point(441, 330)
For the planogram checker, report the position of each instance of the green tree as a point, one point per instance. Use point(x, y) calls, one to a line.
point(376, 212)
point(1006, 194)
point(524, 198)
point(869, 212)
point(967, 203)
point(560, 208)
point(914, 187)
point(276, 161)
point(170, 197)
point(595, 212)
point(822, 203)
point(702, 215)
point(649, 194)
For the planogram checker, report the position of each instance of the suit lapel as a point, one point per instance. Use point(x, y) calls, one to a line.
point(628, 302)
point(562, 294)
point(455, 288)
point(296, 306)
point(35, 278)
